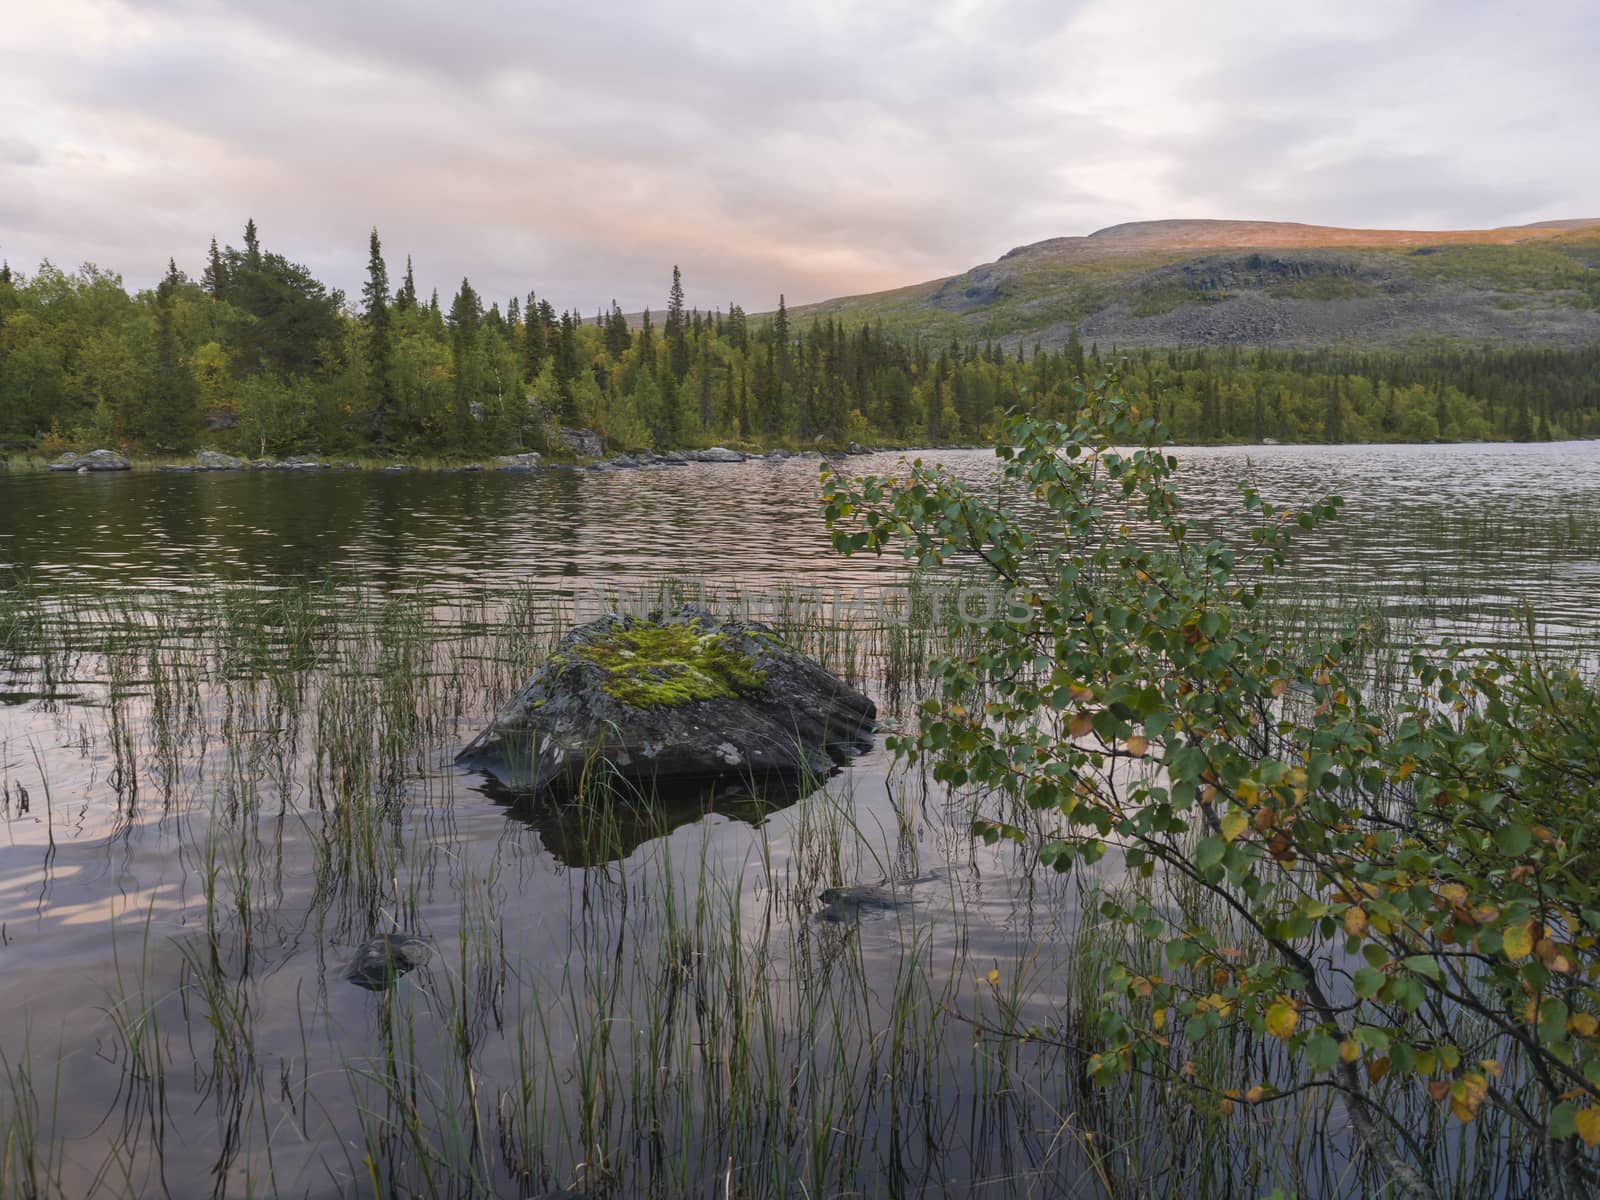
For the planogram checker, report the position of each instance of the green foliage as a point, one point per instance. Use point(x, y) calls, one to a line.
point(83, 362)
point(649, 665)
point(1396, 890)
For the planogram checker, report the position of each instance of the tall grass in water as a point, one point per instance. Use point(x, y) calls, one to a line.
point(690, 1020)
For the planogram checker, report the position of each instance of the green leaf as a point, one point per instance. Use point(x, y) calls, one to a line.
point(1513, 839)
point(1368, 982)
point(1426, 966)
point(1208, 853)
point(1323, 1052)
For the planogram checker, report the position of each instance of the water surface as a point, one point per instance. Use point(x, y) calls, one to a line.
point(162, 849)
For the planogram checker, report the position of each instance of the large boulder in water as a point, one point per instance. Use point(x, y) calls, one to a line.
point(671, 701)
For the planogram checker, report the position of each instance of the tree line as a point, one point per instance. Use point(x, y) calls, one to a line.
point(258, 356)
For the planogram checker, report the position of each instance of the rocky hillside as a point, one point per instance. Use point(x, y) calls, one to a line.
point(1261, 283)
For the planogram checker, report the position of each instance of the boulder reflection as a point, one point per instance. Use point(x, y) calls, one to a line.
point(611, 819)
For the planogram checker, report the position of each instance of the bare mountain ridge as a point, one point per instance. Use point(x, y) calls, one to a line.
point(1282, 235)
point(1183, 282)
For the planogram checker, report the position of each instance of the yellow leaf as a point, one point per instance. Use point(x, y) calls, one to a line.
point(1349, 1051)
point(1080, 725)
point(1583, 1024)
point(993, 977)
point(1158, 1019)
point(1517, 941)
point(1256, 1094)
point(1467, 1095)
point(1355, 920)
point(1137, 745)
point(1282, 1018)
point(1233, 825)
point(1587, 1122)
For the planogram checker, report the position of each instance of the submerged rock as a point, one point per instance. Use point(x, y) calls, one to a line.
point(859, 900)
point(380, 962)
point(669, 702)
point(95, 460)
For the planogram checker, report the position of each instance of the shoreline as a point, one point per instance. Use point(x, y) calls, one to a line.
point(525, 463)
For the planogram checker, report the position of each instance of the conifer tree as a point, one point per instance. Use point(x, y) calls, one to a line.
point(171, 414)
point(215, 277)
point(675, 331)
point(534, 339)
point(380, 340)
point(565, 367)
point(405, 300)
point(647, 343)
point(466, 314)
point(252, 244)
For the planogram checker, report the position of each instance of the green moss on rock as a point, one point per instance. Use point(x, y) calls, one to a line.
point(664, 666)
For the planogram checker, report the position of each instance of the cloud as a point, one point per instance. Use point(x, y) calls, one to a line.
point(812, 149)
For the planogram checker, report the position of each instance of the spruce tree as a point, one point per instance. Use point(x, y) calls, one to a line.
point(405, 300)
point(647, 343)
point(466, 313)
point(565, 367)
point(675, 331)
point(252, 244)
point(534, 339)
point(380, 340)
point(172, 411)
point(215, 277)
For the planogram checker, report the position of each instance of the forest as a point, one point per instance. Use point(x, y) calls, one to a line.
point(257, 356)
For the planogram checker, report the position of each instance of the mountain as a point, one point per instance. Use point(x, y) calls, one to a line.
point(1264, 283)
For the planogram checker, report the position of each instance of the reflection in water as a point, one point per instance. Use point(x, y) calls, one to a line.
point(1471, 531)
point(610, 823)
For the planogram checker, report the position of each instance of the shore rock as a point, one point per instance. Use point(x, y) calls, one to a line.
point(95, 460)
point(672, 702)
point(295, 462)
point(215, 460)
point(716, 454)
point(585, 443)
point(518, 462)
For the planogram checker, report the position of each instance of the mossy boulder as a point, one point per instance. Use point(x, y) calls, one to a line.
point(670, 700)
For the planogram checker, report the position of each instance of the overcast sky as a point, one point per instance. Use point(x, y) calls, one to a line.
point(817, 149)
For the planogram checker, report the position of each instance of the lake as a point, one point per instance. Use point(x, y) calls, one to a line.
point(228, 707)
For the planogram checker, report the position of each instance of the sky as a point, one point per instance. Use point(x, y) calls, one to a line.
point(813, 149)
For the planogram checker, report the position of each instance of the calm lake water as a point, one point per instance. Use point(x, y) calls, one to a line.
point(175, 913)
